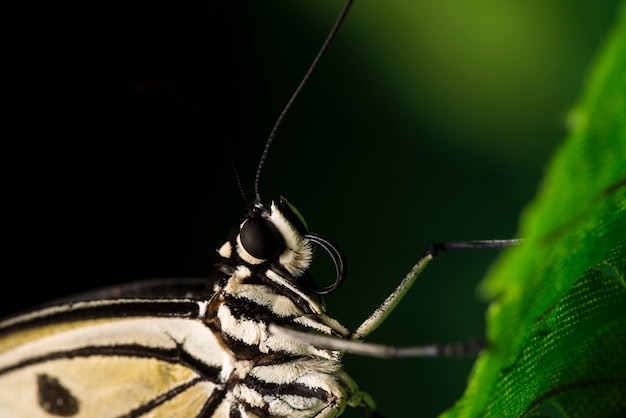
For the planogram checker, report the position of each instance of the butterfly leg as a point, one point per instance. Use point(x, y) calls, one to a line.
point(378, 350)
point(380, 314)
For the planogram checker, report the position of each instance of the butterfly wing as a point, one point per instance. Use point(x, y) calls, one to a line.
point(128, 357)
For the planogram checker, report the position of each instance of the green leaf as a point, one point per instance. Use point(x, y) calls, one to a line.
point(557, 319)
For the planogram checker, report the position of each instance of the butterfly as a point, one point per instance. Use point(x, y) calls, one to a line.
point(100, 325)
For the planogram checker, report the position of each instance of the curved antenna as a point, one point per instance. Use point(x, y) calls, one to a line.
point(296, 93)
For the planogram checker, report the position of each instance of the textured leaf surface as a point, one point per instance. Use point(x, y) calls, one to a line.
point(557, 321)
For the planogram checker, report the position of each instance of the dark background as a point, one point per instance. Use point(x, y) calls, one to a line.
point(425, 124)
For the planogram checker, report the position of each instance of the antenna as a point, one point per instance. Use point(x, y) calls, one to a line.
point(296, 93)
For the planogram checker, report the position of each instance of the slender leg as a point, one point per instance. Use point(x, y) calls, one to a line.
point(379, 350)
point(378, 316)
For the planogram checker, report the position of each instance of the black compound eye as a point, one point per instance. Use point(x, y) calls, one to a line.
point(260, 238)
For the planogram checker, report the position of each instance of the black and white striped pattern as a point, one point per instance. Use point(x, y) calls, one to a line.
point(191, 356)
point(251, 293)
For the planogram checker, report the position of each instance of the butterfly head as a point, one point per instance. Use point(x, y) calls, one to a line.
point(277, 234)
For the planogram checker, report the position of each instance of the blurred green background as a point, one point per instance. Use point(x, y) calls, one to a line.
point(427, 121)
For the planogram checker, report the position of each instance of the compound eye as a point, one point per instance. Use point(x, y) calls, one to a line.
point(260, 238)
